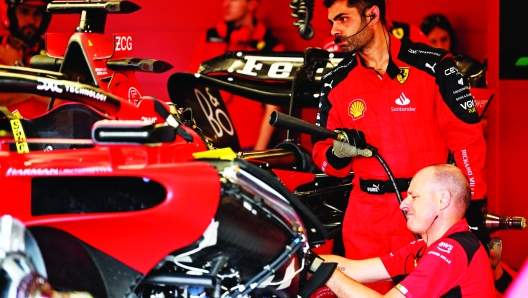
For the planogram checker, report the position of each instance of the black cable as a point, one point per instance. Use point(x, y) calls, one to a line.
point(303, 11)
point(393, 181)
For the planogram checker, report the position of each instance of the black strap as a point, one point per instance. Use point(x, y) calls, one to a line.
point(318, 279)
point(379, 187)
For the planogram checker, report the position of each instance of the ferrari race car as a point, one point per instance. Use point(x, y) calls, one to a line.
point(121, 198)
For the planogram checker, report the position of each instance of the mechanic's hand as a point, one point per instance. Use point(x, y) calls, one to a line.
point(354, 141)
point(354, 137)
point(495, 247)
point(475, 219)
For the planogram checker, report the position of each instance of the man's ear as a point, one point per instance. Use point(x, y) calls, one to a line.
point(375, 14)
point(445, 199)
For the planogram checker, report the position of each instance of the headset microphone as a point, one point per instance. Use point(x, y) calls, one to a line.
point(339, 39)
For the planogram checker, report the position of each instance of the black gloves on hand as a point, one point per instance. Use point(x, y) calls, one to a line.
point(475, 219)
point(354, 137)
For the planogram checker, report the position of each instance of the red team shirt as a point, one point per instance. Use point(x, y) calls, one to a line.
point(442, 267)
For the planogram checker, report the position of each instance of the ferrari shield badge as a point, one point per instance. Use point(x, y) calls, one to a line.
point(403, 75)
point(357, 109)
point(398, 33)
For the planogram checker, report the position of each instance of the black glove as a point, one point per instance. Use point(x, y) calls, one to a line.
point(354, 137)
point(475, 219)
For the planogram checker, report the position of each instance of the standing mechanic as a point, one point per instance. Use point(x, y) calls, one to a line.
point(241, 31)
point(25, 21)
point(448, 261)
point(410, 102)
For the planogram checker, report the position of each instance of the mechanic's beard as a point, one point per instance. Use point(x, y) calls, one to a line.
point(358, 42)
point(28, 34)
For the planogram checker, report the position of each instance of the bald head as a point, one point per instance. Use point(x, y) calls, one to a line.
point(448, 177)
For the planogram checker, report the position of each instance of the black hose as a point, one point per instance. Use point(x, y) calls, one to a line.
point(392, 179)
point(303, 11)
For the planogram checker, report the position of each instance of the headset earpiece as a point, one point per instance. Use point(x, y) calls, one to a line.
point(372, 16)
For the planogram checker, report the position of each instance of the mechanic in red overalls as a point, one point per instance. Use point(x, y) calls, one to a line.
point(409, 101)
point(24, 22)
point(448, 260)
point(240, 31)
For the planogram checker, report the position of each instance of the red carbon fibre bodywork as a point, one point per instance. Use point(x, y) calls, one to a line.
point(152, 228)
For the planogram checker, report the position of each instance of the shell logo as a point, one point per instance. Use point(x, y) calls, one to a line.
point(357, 108)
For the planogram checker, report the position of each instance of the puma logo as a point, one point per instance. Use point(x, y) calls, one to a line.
point(431, 67)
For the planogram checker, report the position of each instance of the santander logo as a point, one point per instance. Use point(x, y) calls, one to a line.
point(402, 100)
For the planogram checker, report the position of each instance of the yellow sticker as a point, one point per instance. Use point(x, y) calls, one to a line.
point(403, 75)
point(19, 135)
point(17, 114)
point(398, 33)
point(224, 154)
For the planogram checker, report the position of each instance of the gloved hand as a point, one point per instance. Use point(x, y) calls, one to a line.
point(495, 247)
point(353, 138)
point(475, 219)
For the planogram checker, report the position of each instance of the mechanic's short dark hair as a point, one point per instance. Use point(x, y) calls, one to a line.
point(439, 20)
point(362, 6)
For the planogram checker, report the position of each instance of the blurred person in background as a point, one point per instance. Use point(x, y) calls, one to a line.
point(240, 30)
point(25, 22)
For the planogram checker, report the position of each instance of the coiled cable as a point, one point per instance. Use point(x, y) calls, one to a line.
point(303, 11)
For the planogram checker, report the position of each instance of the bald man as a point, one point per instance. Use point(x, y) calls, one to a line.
point(447, 260)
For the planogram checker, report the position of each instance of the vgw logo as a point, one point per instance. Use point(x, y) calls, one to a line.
point(469, 106)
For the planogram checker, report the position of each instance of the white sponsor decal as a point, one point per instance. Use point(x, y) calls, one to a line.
point(216, 117)
point(451, 71)
point(149, 119)
point(323, 168)
point(423, 52)
point(86, 92)
point(133, 95)
point(402, 109)
point(462, 97)
point(403, 100)
point(460, 90)
point(461, 81)
point(56, 171)
point(123, 43)
point(280, 67)
point(430, 66)
point(328, 84)
point(49, 85)
point(375, 188)
point(469, 106)
point(445, 247)
point(465, 160)
point(440, 256)
point(101, 71)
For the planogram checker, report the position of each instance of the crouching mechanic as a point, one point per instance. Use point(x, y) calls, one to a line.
point(448, 260)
